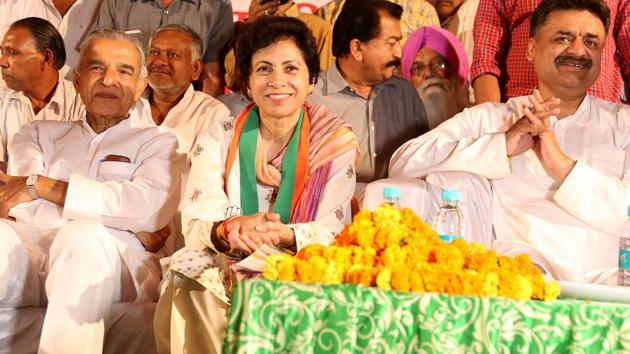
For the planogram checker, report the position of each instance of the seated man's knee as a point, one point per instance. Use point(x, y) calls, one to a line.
point(85, 235)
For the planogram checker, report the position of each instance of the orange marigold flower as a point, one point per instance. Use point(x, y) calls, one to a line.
point(395, 249)
point(314, 249)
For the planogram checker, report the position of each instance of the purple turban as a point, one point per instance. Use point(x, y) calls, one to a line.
point(440, 40)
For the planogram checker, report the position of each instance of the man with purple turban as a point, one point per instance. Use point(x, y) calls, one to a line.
point(435, 62)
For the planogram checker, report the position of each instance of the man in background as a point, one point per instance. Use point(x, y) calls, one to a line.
point(384, 111)
point(32, 55)
point(435, 62)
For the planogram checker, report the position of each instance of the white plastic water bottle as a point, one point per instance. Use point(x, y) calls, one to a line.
point(391, 196)
point(449, 220)
point(624, 254)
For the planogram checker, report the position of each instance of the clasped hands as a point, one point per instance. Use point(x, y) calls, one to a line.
point(248, 233)
point(533, 131)
point(12, 192)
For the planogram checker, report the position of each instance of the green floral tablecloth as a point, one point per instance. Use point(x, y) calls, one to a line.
point(275, 317)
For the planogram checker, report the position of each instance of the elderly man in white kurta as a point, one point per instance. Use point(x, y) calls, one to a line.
point(557, 161)
point(91, 186)
point(173, 63)
point(32, 54)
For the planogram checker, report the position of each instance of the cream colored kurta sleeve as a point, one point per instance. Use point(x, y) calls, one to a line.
point(204, 201)
point(472, 141)
point(334, 208)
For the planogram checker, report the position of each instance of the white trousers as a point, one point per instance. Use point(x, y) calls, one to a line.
point(79, 270)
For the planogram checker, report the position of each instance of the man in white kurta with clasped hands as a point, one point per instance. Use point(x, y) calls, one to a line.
point(556, 163)
point(69, 228)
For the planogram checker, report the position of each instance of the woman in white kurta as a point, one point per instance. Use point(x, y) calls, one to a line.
point(280, 174)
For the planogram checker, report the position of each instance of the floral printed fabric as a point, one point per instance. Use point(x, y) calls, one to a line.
point(276, 317)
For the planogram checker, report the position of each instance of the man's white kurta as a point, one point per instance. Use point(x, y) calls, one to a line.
point(574, 225)
point(86, 250)
point(128, 197)
point(16, 111)
point(73, 26)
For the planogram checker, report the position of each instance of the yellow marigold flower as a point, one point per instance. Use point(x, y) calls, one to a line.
point(401, 279)
point(271, 267)
point(552, 290)
point(384, 279)
point(395, 249)
point(515, 286)
point(340, 256)
point(360, 274)
point(393, 256)
point(416, 282)
point(386, 213)
point(286, 268)
point(490, 284)
point(311, 270)
point(448, 254)
point(332, 274)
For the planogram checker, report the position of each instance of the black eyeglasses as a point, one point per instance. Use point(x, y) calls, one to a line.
point(439, 68)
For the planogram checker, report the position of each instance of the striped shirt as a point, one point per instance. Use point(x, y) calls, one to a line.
point(211, 19)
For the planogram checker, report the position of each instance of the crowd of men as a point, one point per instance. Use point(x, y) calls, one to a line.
point(101, 102)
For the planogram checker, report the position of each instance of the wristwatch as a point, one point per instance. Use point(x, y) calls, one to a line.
point(31, 182)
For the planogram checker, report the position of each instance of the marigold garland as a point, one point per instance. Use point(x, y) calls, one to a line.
point(395, 249)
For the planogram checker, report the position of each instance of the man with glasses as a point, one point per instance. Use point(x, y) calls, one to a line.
point(435, 63)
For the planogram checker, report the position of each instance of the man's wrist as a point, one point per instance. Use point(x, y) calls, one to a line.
point(563, 171)
point(31, 185)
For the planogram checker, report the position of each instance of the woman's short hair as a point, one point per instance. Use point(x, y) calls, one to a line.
point(268, 30)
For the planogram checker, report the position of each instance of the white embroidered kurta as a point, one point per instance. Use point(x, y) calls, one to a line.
point(193, 115)
point(574, 225)
point(16, 111)
point(73, 26)
point(205, 203)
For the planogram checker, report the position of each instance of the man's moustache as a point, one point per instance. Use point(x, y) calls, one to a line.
point(431, 82)
point(393, 62)
point(574, 60)
point(159, 69)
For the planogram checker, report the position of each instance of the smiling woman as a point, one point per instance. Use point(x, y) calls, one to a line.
point(279, 175)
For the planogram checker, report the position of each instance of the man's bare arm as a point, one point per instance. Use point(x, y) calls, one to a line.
point(487, 89)
point(212, 80)
point(52, 190)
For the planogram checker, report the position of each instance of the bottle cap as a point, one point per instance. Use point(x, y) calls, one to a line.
point(451, 195)
point(391, 192)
